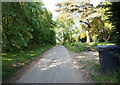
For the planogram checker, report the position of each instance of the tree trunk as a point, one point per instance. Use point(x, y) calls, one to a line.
point(88, 35)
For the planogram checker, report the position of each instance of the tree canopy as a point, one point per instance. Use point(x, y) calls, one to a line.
point(25, 24)
point(102, 19)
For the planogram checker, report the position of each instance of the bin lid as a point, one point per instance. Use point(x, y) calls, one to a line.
point(104, 47)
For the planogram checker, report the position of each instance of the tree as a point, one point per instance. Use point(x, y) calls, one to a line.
point(101, 29)
point(26, 24)
point(102, 26)
point(85, 10)
point(113, 13)
point(64, 30)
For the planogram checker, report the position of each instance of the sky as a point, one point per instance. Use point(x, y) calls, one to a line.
point(50, 5)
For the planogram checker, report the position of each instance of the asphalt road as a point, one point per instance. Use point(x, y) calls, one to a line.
point(55, 66)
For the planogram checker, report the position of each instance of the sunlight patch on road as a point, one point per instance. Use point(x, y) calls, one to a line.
point(64, 62)
point(74, 62)
point(76, 67)
point(46, 64)
point(54, 65)
point(80, 57)
point(43, 68)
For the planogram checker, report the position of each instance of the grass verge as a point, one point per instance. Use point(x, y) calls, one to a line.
point(103, 79)
point(76, 47)
point(95, 44)
point(12, 61)
point(93, 66)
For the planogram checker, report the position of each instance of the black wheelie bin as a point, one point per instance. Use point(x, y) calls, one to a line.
point(109, 58)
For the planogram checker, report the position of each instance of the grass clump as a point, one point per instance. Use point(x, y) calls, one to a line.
point(12, 61)
point(76, 47)
point(92, 44)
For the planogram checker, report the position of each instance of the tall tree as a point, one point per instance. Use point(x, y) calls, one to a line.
point(82, 7)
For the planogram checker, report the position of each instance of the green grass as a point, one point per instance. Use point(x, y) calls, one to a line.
point(96, 75)
point(92, 44)
point(12, 61)
point(76, 47)
point(101, 78)
point(95, 44)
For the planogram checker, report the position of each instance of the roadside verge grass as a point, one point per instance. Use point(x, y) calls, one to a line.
point(103, 79)
point(95, 44)
point(94, 67)
point(76, 47)
point(12, 61)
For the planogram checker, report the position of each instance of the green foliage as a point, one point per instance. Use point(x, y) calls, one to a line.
point(25, 24)
point(68, 9)
point(97, 30)
point(92, 44)
point(110, 15)
point(12, 61)
point(82, 35)
point(95, 44)
point(101, 78)
point(76, 47)
point(114, 18)
point(103, 19)
point(65, 30)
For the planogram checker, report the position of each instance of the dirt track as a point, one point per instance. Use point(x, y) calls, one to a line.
point(58, 65)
